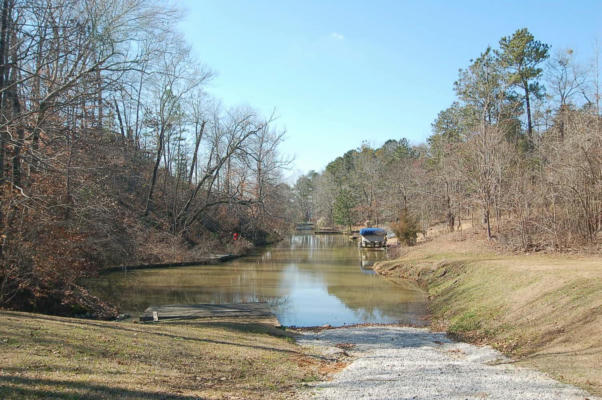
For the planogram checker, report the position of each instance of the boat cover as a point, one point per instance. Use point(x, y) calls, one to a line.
point(372, 232)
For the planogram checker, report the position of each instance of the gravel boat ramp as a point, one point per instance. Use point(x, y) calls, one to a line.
point(390, 362)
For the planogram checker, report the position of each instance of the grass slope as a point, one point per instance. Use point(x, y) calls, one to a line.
point(63, 358)
point(544, 310)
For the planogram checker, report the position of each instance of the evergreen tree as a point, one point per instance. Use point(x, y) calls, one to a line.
point(343, 206)
point(520, 54)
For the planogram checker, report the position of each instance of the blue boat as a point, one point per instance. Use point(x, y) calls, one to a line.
point(373, 237)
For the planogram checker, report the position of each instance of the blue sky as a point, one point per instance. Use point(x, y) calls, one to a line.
point(340, 72)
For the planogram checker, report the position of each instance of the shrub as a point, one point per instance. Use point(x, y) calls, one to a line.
point(406, 228)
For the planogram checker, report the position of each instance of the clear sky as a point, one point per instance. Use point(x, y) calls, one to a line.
point(340, 72)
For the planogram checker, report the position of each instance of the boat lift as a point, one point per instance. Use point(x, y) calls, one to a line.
point(375, 238)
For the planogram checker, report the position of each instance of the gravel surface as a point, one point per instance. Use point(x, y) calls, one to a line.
point(413, 363)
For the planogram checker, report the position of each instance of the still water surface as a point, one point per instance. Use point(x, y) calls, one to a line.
point(307, 280)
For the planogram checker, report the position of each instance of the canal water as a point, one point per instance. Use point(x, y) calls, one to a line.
point(308, 280)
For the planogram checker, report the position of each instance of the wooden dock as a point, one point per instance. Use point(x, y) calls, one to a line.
point(304, 226)
point(327, 231)
point(249, 312)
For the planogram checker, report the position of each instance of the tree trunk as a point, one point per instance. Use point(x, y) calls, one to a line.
point(196, 151)
point(486, 217)
point(119, 119)
point(155, 169)
point(450, 215)
point(3, 49)
point(16, 108)
point(41, 107)
point(529, 122)
point(166, 162)
point(137, 125)
point(99, 97)
point(2, 156)
point(68, 199)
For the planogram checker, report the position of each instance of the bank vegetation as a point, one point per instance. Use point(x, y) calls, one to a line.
point(112, 152)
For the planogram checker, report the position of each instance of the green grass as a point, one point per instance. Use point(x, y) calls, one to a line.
point(466, 322)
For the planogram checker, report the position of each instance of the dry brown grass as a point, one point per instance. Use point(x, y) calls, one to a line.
point(545, 310)
point(63, 358)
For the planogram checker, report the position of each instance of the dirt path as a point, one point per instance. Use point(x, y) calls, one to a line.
point(412, 363)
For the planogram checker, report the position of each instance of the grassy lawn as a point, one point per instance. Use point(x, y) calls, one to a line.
point(544, 310)
point(64, 358)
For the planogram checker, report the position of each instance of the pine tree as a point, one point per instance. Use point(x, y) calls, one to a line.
point(343, 205)
point(520, 54)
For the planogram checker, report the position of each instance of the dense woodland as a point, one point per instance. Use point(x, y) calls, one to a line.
point(518, 154)
point(112, 153)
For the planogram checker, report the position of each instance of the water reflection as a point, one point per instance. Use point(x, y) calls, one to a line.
point(368, 257)
point(308, 280)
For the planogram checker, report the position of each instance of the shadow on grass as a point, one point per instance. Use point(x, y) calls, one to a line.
point(245, 327)
point(122, 328)
point(592, 350)
point(12, 387)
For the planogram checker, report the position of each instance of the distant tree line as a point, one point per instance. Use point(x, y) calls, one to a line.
point(519, 153)
point(111, 151)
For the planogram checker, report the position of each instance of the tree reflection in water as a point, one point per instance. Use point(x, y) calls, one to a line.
point(308, 280)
